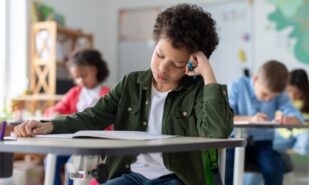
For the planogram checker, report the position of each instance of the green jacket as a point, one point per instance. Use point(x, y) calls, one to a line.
point(192, 109)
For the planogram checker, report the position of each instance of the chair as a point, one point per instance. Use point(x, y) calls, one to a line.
point(287, 163)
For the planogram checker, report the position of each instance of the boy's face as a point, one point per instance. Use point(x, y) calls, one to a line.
point(85, 76)
point(262, 92)
point(168, 65)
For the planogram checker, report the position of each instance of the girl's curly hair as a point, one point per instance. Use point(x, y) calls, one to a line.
point(89, 57)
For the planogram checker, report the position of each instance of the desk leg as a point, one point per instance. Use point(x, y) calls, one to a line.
point(50, 169)
point(6, 165)
point(239, 165)
point(239, 159)
point(308, 176)
point(222, 161)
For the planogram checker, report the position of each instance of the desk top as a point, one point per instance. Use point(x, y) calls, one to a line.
point(114, 147)
point(266, 125)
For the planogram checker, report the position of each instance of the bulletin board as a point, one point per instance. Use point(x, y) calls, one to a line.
point(234, 53)
point(135, 44)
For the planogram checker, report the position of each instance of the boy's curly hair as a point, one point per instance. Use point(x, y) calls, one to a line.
point(187, 25)
point(89, 57)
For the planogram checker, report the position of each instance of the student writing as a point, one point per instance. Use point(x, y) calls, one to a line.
point(257, 99)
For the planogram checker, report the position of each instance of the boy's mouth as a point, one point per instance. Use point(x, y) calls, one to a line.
point(160, 77)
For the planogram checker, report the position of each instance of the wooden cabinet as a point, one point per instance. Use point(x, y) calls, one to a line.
point(50, 46)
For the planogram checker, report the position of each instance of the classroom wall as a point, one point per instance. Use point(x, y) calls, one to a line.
point(100, 18)
point(271, 44)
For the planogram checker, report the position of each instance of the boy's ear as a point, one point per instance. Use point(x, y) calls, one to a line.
point(255, 78)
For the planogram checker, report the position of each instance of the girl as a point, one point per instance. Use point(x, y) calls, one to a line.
point(296, 140)
point(89, 71)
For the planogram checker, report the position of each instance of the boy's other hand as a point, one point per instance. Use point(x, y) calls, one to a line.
point(32, 127)
point(286, 120)
point(259, 117)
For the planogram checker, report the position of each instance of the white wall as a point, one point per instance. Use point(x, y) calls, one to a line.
point(100, 18)
point(270, 44)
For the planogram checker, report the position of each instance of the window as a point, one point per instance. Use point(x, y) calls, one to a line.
point(3, 17)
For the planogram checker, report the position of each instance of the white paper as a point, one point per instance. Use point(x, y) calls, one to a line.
point(63, 136)
point(126, 135)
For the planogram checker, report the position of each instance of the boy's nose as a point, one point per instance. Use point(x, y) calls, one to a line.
point(267, 98)
point(163, 67)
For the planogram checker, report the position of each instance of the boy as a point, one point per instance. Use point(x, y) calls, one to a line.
point(257, 100)
point(163, 100)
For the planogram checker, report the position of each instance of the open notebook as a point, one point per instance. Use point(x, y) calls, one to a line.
point(126, 135)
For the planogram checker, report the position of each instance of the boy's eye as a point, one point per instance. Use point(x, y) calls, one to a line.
point(160, 56)
point(180, 65)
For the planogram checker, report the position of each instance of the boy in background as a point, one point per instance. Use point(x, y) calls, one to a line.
point(163, 100)
point(257, 100)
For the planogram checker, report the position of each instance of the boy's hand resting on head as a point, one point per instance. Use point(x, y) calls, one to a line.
point(32, 127)
point(201, 66)
point(259, 117)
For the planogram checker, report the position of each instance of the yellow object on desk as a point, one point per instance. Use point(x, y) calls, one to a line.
point(286, 133)
point(278, 114)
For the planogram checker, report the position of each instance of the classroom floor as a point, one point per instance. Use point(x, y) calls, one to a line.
point(300, 175)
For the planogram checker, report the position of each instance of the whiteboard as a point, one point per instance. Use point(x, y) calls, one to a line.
point(235, 50)
point(233, 54)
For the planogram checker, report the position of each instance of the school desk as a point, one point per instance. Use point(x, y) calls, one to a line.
point(241, 132)
point(107, 147)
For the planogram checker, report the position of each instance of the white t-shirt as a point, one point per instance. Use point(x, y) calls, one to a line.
point(88, 97)
point(151, 165)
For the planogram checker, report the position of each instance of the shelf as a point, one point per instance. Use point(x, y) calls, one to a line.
point(51, 43)
point(39, 97)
